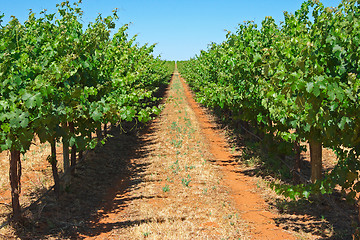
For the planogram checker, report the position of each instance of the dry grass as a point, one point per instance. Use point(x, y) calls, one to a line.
point(180, 196)
point(36, 171)
point(36, 178)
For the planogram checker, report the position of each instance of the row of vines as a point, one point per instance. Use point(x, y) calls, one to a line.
point(295, 81)
point(62, 81)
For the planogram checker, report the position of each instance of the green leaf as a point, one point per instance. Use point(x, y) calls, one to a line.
point(306, 194)
point(307, 127)
point(24, 121)
point(337, 48)
point(5, 127)
point(32, 101)
point(331, 94)
point(96, 115)
point(18, 119)
point(309, 87)
point(257, 57)
point(342, 122)
point(316, 90)
point(72, 141)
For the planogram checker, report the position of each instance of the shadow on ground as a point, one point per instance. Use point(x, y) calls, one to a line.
point(328, 215)
point(99, 187)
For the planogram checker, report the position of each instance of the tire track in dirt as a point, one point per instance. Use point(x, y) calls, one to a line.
point(253, 208)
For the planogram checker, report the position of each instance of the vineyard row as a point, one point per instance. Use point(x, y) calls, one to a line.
point(62, 81)
point(295, 81)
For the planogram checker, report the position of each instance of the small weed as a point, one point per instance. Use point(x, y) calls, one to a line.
point(177, 144)
point(233, 149)
point(187, 122)
point(184, 130)
point(175, 167)
point(190, 167)
point(205, 191)
point(173, 126)
point(186, 181)
point(166, 188)
point(146, 234)
point(169, 180)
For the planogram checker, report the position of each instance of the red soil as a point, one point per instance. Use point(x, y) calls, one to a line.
point(252, 207)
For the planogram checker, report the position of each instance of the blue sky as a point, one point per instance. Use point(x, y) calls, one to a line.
point(180, 28)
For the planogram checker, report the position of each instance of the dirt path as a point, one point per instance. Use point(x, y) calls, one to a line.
point(186, 186)
point(253, 209)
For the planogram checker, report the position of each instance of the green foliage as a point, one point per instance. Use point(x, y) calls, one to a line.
point(53, 70)
point(166, 188)
point(298, 81)
point(186, 181)
point(181, 65)
point(170, 66)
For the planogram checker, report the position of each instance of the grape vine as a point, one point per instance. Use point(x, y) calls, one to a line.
point(298, 81)
point(62, 81)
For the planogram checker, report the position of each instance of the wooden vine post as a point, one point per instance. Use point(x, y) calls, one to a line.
point(66, 159)
point(315, 160)
point(53, 162)
point(15, 175)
